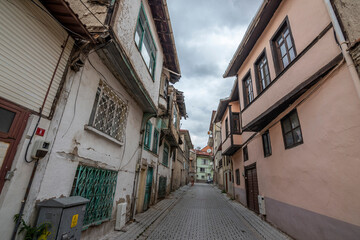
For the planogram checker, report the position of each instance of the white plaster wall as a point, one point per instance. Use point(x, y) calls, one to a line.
point(125, 24)
point(14, 190)
point(74, 144)
point(163, 170)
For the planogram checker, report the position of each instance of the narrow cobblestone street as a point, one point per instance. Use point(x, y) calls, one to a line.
point(200, 212)
point(204, 213)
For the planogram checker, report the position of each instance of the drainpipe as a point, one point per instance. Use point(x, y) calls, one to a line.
point(344, 47)
point(23, 202)
point(146, 117)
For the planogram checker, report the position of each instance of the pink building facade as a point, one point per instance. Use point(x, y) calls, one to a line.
point(292, 122)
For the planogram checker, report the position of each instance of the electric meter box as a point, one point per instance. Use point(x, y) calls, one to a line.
point(40, 149)
point(65, 216)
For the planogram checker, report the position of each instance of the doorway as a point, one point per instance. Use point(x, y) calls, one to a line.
point(149, 178)
point(252, 189)
point(12, 124)
point(226, 182)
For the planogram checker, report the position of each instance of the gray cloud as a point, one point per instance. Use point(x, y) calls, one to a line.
point(207, 33)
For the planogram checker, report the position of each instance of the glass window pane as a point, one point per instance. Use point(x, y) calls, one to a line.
point(286, 32)
point(297, 135)
point(283, 50)
point(266, 69)
point(288, 41)
point(286, 125)
point(294, 120)
point(145, 54)
point(285, 61)
point(280, 40)
point(6, 119)
point(138, 34)
point(292, 54)
point(267, 80)
point(289, 141)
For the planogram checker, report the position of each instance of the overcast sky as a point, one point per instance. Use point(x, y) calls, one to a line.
point(207, 33)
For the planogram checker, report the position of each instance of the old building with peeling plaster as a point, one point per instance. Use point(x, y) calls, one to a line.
point(93, 81)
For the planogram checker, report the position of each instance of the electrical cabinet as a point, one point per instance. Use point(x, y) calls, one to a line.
point(261, 201)
point(65, 216)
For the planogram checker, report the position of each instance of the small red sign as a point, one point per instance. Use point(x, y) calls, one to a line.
point(40, 132)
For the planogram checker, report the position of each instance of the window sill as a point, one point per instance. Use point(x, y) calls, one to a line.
point(151, 152)
point(164, 165)
point(104, 135)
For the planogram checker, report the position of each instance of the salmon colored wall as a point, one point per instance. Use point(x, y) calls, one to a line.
point(301, 15)
point(235, 106)
point(238, 163)
point(322, 174)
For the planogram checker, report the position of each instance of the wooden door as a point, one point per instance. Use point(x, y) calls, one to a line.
point(226, 182)
point(252, 189)
point(149, 178)
point(13, 120)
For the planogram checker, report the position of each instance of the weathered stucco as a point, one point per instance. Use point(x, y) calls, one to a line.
point(349, 13)
point(125, 24)
point(91, 14)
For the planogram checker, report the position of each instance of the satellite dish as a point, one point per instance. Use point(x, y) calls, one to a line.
point(208, 151)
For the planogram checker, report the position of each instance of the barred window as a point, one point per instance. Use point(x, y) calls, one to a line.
point(109, 113)
point(97, 185)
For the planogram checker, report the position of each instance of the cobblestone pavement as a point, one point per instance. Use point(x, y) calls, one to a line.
point(144, 220)
point(204, 213)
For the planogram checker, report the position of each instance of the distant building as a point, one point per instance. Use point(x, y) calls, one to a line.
point(204, 164)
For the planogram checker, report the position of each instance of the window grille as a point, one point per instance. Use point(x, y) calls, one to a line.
point(97, 185)
point(109, 113)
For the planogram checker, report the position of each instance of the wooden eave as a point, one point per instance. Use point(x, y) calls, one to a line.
point(161, 18)
point(62, 12)
point(253, 33)
point(180, 100)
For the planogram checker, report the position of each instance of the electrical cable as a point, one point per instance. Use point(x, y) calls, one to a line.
point(75, 103)
point(105, 79)
point(31, 137)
